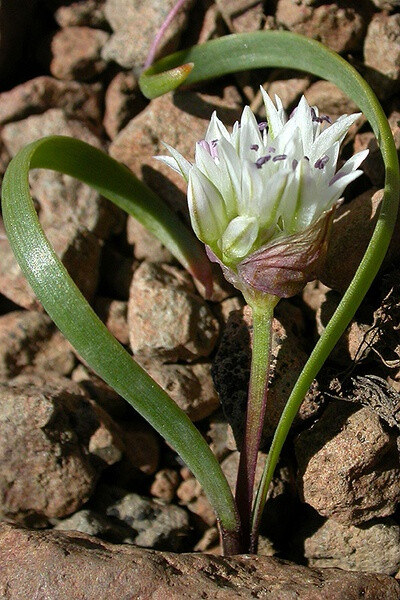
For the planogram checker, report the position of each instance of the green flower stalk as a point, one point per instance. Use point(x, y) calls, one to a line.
point(262, 199)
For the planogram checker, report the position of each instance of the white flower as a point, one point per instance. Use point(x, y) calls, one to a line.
point(262, 198)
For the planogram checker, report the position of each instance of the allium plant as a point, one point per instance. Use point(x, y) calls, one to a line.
point(262, 199)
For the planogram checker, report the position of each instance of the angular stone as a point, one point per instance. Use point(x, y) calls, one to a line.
point(349, 465)
point(113, 313)
point(145, 245)
point(165, 484)
point(122, 102)
point(330, 100)
point(81, 101)
point(373, 547)
point(88, 13)
point(159, 526)
point(191, 386)
point(339, 28)
point(30, 342)
point(382, 53)
point(46, 469)
point(159, 300)
point(63, 565)
point(92, 523)
point(135, 24)
point(77, 53)
point(350, 236)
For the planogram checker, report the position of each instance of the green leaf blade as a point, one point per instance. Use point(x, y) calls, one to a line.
point(81, 326)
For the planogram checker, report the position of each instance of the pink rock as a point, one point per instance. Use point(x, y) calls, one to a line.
point(88, 13)
point(81, 101)
point(135, 24)
point(114, 314)
point(191, 386)
point(339, 28)
point(77, 53)
point(63, 564)
point(123, 101)
point(145, 245)
point(29, 342)
point(348, 465)
point(165, 484)
point(382, 53)
point(160, 298)
point(46, 469)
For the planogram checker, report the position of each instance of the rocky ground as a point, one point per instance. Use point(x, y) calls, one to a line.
point(73, 455)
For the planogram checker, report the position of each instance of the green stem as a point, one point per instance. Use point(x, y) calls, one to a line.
point(263, 309)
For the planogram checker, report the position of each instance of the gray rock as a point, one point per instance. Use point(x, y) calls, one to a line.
point(373, 547)
point(123, 101)
point(92, 523)
point(65, 565)
point(159, 526)
point(349, 465)
point(161, 297)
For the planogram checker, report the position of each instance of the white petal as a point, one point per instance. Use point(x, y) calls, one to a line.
point(206, 207)
point(269, 202)
point(336, 189)
point(275, 121)
point(330, 135)
point(178, 162)
point(216, 129)
point(249, 134)
point(239, 238)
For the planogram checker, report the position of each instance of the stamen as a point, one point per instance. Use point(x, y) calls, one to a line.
point(211, 148)
point(271, 149)
point(294, 164)
point(321, 118)
point(263, 125)
point(321, 162)
point(279, 157)
point(254, 147)
point(262, 160)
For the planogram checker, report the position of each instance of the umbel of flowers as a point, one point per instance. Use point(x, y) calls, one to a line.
point(262, 198)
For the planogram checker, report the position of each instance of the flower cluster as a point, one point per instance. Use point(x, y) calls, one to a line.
point(262, 198)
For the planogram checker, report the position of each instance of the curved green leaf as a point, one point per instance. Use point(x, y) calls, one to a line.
point(73, 315)
point(283, 49)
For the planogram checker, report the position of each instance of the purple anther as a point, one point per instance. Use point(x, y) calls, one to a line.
point(271, 149)
point(321, 118)
point(321, 162)
point(262, 160)
point(294, 164)
point(254, 147)
point(210, 148)
point(306, 157)
point(279, 157)
point(263, 125)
